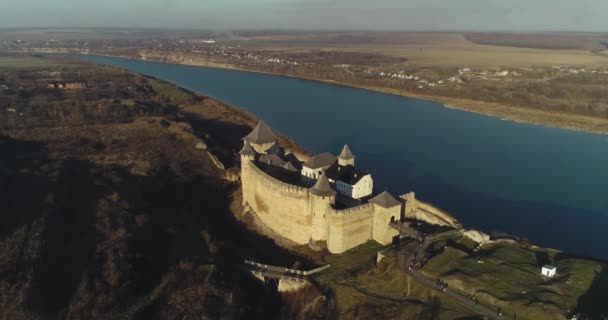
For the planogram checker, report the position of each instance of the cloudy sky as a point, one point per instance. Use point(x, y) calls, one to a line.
point(522, 15)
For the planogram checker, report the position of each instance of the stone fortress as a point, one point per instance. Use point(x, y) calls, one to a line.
point(321, 199)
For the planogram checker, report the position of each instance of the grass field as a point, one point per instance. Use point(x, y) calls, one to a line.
point(509, 277)
point(365, 290)
point(25, 63)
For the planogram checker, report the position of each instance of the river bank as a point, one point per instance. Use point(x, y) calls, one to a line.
point(522, 115)
point(450, 158)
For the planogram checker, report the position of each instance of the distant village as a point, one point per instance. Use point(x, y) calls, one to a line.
point(231, 52)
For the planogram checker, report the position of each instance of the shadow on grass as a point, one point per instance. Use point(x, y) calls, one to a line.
point(226, 136)
point(593, 302)
point(69, 239)
point(23, 183)
point(178, 210)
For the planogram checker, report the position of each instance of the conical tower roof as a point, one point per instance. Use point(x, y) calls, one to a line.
point(346, 154)
point(247, 150)
point(322, 188)
point(261, 134)
point(385, 200)
point(288, 166)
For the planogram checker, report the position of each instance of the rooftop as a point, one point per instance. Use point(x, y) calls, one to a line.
point(347, 174)
point(320, 160)
point(385, 200)
point(272, 159)
point(322, 188)
point(290, 167)
point(247, 149)
point(261, 134)
point(346, 153)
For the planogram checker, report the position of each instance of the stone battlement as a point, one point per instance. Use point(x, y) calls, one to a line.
point(358, 209)
point(275, 183)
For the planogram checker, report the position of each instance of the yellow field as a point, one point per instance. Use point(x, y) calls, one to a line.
point(439, 49)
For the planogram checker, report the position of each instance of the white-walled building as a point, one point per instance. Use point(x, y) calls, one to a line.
point(315, 166)
point(344, 177)
point(347, 179)
point(548, 271)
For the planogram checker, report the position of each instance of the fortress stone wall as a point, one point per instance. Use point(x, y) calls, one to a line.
point(350, 228)
point(282, 207)
point(300, 216)
point(423, 211)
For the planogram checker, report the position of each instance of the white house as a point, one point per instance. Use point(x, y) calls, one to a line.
point(347, 179)
point(317, 164)
point(548, 271)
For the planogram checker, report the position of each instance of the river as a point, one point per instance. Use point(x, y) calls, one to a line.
point(545, 184)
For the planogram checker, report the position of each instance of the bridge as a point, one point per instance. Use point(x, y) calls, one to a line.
point(266, 271)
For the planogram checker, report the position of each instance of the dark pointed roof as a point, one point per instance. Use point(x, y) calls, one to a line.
point(346, 153)
point(261, 134)
point(385, 200)
point(320, 160)
point(272, 159)
point(289, 167)
point(322, 188)
point(247, 150)
point(347, 174)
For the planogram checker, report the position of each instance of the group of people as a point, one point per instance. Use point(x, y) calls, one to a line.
point(442, 285)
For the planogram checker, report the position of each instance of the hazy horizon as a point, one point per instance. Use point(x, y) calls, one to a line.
point(339, 15)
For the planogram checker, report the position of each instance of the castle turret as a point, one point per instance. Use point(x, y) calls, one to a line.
point(322, 188)
point(346, 157)
point(262, 138)
point(411, 204)
point(387, 209)
point(322, 198)
point(247, 157)
point(247, 151)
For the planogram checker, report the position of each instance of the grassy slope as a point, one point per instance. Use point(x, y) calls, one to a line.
point(121, 216)
point(362, 290)
point(510, 278)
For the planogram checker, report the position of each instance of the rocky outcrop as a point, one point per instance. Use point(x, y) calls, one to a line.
point(287, 285)
point(477, 236)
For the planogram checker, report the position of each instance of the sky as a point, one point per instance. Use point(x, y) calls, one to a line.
point(468, 15)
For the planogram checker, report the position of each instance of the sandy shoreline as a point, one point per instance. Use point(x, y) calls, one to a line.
point(516, 114)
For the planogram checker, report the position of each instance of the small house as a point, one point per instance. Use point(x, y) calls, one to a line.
point(315, 166)
point(347, 179)
point(548, 271)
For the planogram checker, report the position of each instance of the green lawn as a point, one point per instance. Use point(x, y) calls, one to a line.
point(26, 63)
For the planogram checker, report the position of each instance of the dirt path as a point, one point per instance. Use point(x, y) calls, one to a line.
point(463, 300)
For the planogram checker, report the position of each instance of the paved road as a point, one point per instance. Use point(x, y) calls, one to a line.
point(430, 283)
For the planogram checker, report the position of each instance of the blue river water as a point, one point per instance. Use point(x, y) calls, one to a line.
point(545, 184)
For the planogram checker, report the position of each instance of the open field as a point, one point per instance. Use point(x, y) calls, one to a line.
point(25, 62)
point(549, 40)
point(440, 49)
point(509, 277)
